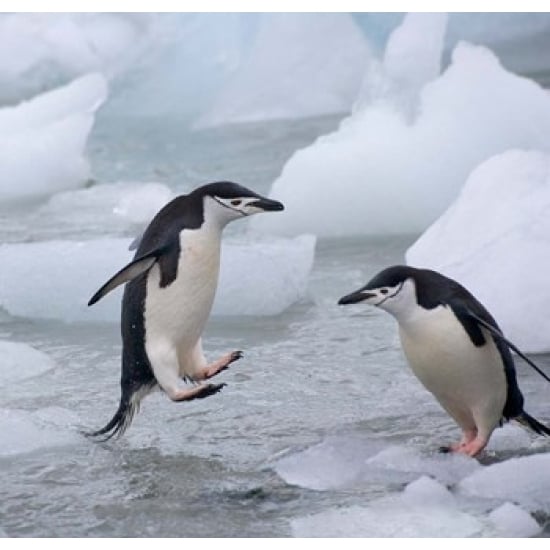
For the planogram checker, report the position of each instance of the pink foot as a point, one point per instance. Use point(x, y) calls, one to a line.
point(474, 447)
point(467, 438)
point(221, 364)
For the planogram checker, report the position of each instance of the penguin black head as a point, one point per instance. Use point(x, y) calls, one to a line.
point(401, 288)
point(391, 287)
point(227, 201)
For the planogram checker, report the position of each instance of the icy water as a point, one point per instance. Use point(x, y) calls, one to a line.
point(321, 425)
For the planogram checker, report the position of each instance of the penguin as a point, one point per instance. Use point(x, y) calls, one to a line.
point(455, 348)
point(170, 288)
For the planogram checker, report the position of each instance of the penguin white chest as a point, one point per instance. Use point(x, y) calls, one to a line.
point(178, 312)
point(442, 356)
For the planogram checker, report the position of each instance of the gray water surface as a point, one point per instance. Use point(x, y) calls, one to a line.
point(207, 468)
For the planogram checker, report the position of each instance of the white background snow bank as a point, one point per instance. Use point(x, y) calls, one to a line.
point(383, 173)
point(55, 279)
point(495, 240)
point(42, 141)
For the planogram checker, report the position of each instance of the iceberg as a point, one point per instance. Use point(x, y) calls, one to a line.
point(300, 65)
point(55, 279)
point(52, 130)
point(494, 240)
point(53, 48)
point(394, 166)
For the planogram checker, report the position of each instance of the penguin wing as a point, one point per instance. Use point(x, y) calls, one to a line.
point(127, 273)
point(497, 334)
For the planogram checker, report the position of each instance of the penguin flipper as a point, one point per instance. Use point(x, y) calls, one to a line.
point(127, 273)
point(498, 334)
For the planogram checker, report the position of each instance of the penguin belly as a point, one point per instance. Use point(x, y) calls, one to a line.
point(175, 315)
point(468, 381)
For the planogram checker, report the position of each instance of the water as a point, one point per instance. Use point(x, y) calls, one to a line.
point(316, 374)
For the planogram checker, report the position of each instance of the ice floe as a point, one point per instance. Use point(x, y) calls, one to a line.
point(55, 279)
point(524, 480)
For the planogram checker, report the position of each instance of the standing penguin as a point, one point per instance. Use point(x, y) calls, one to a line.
point(455, 348)
point(170, 288)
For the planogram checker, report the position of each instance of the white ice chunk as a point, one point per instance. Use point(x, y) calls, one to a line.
point(425, 509)
point(20, 361)
point(337, 462)
point(42, 141)
point(301, 64)
point(426, 490)
point(524, 480)
point(494, 241)
point(383, 173)
point(55, 279)
point(352, 461)
point(446, 467)
point(263, 278)
point(510, 437)
point(510, 520)
point(24, 432)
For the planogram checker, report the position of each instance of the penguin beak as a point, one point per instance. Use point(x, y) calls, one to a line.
point(355, 297)
point(268, 205)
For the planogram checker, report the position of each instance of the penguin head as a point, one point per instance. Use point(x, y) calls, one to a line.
point(226, 201)
point(393, 290)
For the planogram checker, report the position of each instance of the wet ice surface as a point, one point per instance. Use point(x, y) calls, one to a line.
point(321, 430)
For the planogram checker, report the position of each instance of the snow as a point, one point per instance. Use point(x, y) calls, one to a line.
point(510, 520)
point(25, 432)
point(300, 65)
point(52, 130)
point(385, 172)
point(494, 241)
point(20, 361)
point(524, 480)
point(55, 279)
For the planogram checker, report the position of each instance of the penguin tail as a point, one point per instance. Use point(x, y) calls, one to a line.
point(127, 408)
point(533, 424)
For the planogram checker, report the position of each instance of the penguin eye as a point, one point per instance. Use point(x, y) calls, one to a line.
point(383, 291)
point(236, 202)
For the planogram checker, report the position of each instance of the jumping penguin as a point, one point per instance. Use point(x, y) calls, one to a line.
point(455, 348)
point(170, 288)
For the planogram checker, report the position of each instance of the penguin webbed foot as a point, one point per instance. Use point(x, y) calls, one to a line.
point(198, 392)
point(221, 364)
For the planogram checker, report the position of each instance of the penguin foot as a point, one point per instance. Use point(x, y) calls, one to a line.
point(198, 392)
point(473, 448)
point(221, 364)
